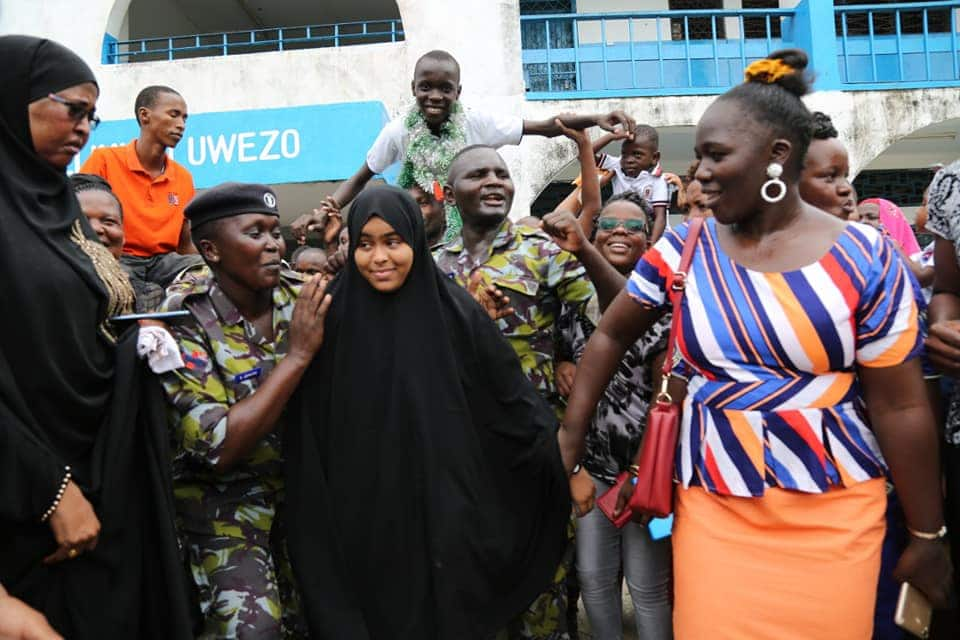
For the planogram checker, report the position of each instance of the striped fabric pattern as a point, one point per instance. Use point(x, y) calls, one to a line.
point(773, 400)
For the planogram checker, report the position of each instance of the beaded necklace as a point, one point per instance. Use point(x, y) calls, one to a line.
point(429, 156)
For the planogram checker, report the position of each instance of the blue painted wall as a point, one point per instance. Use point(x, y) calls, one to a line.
point(272, 146)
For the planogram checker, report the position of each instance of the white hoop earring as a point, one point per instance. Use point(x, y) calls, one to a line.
point(774, 171)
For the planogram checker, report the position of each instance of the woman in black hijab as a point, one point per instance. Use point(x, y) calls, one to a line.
point(426, 498)
point(84, 489)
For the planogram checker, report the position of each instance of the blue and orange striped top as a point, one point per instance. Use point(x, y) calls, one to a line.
point(774, 400)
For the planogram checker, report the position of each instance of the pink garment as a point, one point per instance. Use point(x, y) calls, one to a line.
point(896, 225)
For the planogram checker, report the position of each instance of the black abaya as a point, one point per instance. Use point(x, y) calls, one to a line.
point(71, 395)
point(425, 492)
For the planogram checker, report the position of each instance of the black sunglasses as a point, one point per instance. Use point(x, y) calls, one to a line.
point(630, 225)
point(78, 110)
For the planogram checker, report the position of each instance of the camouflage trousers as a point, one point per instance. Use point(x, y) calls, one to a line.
point(244, 592)
point(546, 617)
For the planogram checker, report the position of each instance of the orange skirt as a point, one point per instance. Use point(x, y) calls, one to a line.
point(785, 566)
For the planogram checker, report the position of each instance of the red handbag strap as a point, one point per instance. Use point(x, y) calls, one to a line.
point(677, 285)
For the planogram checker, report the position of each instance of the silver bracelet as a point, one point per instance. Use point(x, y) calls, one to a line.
point(940, 534)
point(56, 501)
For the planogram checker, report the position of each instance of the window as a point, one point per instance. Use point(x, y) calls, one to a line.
point(533, 35)
point(884, 24)
point(696, 28)
point(533, 7)
point(757, 27)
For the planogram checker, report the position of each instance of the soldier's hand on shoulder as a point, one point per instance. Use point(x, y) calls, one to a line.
point(309, 315)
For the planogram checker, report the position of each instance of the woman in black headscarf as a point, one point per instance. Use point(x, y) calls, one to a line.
point(85, 512)
point(426, 498)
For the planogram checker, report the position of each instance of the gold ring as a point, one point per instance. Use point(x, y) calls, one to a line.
point(73, 553)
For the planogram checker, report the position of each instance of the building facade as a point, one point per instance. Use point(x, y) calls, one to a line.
point(293, 92)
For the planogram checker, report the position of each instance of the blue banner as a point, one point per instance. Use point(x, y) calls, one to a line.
point(272, 146)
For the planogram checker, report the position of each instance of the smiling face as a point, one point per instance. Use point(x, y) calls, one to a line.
point(57, 136)
point(382, 256)
point(734, 152)
point(166, 120)
point(824, 182)
point(480, 187)
point(621, 246)
point(246, 249)
point(103, 211)
point(436, 87)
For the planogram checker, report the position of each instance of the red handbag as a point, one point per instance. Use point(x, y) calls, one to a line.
point(608, 502)
point(653, 492)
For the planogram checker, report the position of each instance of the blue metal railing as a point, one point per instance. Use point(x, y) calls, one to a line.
point(909, 49)
point(253, 41)
point(646, 52)
point(642, 53)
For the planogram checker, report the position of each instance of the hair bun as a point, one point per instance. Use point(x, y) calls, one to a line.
point(784, 68)
point(822, 126)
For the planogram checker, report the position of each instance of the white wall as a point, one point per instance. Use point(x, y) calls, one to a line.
point(868, 123)
point(484, 36)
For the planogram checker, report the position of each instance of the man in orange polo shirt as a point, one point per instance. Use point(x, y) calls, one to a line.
point(152, 188)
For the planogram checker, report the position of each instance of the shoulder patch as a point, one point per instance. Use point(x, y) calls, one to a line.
point(194, 281)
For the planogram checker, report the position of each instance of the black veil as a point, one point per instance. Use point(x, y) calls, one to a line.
point(426, 497)
point(71, 396)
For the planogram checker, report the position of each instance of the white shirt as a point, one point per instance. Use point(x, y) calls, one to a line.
point(653, 188)
point(481, 128)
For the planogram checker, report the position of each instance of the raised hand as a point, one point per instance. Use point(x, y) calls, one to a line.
point(326, 218)
point(307, 322)
point(564, 229)
point(332, 222)
point(612, 120)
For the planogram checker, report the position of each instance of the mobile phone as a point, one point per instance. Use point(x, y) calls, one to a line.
point(660, 528)
point(166, 316)
point(913, 611)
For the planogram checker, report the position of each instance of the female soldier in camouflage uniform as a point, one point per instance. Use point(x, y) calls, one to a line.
point(244, 353)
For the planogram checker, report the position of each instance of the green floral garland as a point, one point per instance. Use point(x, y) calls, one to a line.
point(428, 157)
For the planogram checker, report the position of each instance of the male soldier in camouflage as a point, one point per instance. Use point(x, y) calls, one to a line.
point(539, 270)
point(245, 349)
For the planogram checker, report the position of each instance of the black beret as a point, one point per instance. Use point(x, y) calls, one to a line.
point(231, 199)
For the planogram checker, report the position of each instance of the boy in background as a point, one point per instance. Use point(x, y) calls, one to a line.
point(638, 169)
point(434, 130)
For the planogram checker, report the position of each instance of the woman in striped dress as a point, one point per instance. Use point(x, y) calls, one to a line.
point(801, 331)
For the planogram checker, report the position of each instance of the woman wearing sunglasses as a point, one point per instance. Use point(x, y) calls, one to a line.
point(603, 551)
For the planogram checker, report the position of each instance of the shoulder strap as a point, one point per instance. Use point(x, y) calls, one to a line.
point(677, 284)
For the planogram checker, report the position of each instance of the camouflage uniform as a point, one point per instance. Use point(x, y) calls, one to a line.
point(539, 277)
point(228, 519)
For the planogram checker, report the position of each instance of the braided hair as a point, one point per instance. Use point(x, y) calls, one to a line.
point(822, 126)
point(90, 182)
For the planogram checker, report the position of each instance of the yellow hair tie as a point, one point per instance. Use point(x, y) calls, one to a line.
point(766, 71)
